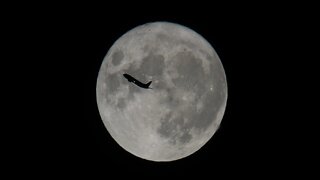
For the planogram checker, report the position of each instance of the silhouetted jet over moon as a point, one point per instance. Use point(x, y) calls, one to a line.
point(189, 92)
point(138, 83)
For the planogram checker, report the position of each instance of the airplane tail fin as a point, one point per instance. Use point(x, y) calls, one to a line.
point(148, 84)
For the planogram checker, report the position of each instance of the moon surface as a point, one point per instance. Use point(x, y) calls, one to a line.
point(187, 101)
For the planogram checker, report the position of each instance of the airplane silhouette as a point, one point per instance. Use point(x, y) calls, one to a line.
point(138, 83)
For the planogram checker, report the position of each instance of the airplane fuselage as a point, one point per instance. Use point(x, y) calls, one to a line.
point(135, 81)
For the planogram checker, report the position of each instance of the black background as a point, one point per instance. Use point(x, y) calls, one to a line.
point(60, 50)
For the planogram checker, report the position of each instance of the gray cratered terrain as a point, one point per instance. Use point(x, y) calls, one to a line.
point(187, 101)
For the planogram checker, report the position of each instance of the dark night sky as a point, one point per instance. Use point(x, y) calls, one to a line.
point(65, 135)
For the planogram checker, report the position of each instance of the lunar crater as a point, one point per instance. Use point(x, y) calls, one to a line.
point(153, 65)
point(117, 57)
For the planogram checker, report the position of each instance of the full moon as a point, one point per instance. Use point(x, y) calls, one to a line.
point(187, 101)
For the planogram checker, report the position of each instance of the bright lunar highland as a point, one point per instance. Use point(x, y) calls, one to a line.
point(187, 101)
